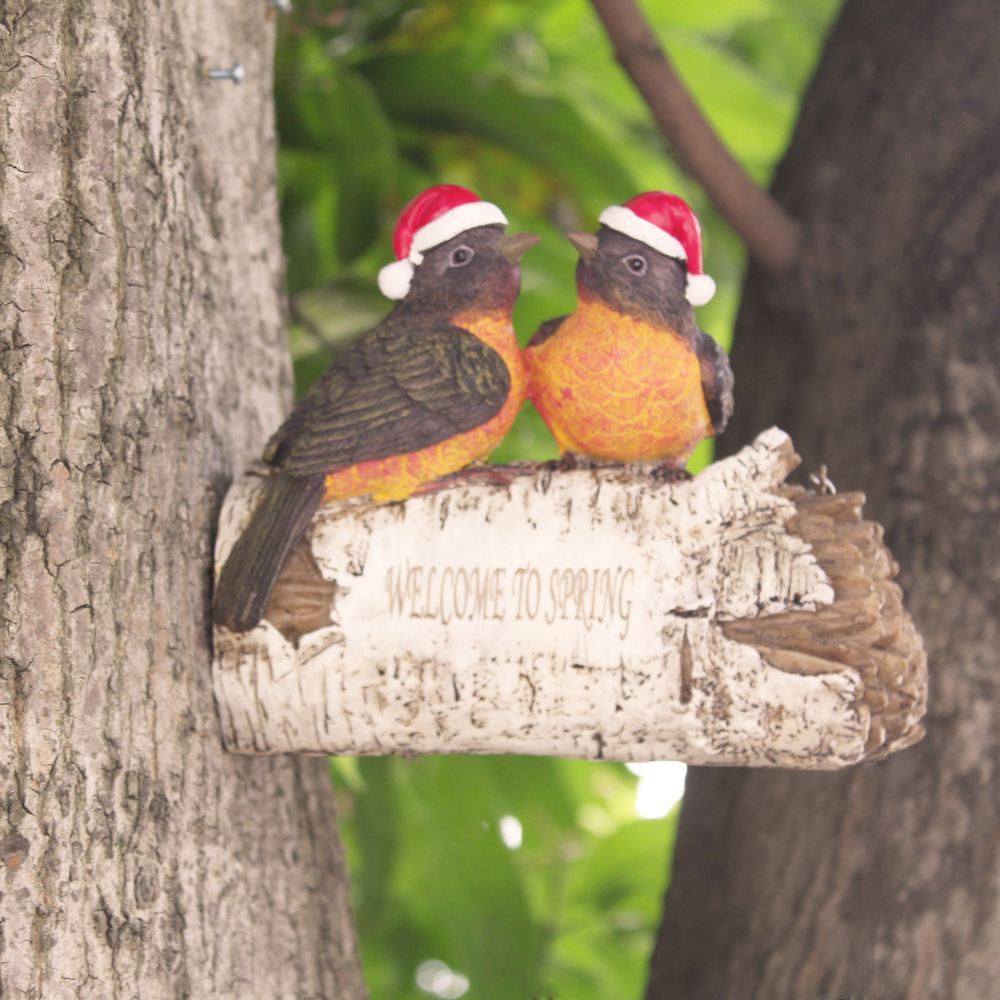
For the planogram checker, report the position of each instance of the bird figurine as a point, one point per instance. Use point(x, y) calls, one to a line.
point(431, 388)
point(629, 377)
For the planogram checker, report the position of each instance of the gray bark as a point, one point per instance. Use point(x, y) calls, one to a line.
point(144, 360)
point(880, 356)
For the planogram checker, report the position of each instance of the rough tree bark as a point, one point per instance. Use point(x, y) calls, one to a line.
point(143, 360)
point(881, 358)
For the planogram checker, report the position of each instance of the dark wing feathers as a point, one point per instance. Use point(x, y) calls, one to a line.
point(283, 512)
point(546, 330)
point(716, 381)
point(396, 390)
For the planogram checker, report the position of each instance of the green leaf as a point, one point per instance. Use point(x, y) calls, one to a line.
point(331, 112)
point(753, 115)
point(431, 93)
point(309, 198)
point(457, 864)
point(444, 886)
point(613, 897)
point(378, 813)
point(719, 15)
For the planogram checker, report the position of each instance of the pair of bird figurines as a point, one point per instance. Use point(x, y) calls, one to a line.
point(436, 385)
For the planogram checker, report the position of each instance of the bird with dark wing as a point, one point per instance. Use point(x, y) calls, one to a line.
point(433, 387)
point(628, 376)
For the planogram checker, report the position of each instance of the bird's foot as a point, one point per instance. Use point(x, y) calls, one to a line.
point(494, 475)
point(573, 461)
point(568, 461)
point(670, 472)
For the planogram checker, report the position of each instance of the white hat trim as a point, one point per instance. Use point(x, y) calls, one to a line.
point(394, 279)
point(471, 215)
point(624, 220)
point(700, 287)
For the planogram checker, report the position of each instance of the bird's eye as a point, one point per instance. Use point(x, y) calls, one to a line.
point(636, 263)
point(461, 256)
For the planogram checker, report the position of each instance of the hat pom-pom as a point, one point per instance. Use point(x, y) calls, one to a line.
point(700, 289)
point(394, 279)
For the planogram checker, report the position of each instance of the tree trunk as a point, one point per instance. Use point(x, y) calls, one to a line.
point(144, 360)
point(880, 356)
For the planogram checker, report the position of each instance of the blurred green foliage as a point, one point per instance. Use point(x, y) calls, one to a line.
point(568, 913)
point(522, 101)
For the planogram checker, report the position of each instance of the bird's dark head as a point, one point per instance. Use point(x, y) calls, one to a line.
point(633, 278)
point(478, 269)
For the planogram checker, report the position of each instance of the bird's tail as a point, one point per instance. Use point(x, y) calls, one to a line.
point(243, 592)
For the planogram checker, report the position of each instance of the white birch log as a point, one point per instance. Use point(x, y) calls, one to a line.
point(598, 613)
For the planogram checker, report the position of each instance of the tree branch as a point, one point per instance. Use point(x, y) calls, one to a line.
point(771, 235)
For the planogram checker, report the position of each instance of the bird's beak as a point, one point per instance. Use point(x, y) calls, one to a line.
point(516, 246)
point(585, 243)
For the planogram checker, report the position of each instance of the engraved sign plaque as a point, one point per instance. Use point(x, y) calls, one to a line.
point(585, 613)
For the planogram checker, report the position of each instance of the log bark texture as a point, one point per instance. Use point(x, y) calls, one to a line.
point(881, 358)
point(143, 358)
point(599, 613)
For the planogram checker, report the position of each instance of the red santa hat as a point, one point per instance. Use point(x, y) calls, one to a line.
point(432, 218)
point(667, 224)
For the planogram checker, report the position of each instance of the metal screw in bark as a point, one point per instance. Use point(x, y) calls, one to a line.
point(237, 74)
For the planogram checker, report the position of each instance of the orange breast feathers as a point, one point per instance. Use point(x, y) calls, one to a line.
point(400, 476)
point(615, 387)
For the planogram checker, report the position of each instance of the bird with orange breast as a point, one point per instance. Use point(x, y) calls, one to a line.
point(433, 387)
point(628, 376)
